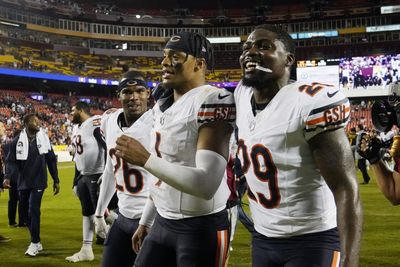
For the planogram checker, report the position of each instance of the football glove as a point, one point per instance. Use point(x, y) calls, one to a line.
point(101, 228)
point(371, 148)
point(395, 148)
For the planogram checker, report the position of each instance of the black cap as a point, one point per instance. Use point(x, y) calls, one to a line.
point(191, 43)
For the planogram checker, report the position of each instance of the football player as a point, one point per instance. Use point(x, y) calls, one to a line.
point(303, 190)
point(189, 152)
point(130, 181)
point(89, 156)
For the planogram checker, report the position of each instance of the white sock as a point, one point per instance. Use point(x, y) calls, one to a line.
point(88, 230)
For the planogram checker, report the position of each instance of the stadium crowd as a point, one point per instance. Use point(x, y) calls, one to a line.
point(53, 111)
point(369, 71)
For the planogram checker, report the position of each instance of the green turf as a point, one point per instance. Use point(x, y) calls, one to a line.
point(61, 231)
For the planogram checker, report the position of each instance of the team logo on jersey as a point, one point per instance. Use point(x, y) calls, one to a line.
point(252, 125)
point(222, 96)
point(331, 95)
point(175, 38)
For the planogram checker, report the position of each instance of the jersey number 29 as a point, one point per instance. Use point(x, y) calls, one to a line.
point(268, 174)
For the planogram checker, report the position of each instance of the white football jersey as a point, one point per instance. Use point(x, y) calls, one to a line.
point(287, 194)
point(174, 138)
point(89, 155)
point(131, 180)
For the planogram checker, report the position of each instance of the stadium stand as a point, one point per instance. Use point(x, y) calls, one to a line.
point(53, 110)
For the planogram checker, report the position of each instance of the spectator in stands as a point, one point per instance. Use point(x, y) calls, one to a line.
point(3, 238)
point(361, 162)
point(30, 153)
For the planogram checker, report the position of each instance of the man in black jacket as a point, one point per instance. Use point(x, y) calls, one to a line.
point(13, 194)
point(29, 154)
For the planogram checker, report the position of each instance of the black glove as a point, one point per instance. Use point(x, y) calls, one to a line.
point(371, 148)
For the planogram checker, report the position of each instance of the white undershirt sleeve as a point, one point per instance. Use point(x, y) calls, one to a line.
point(201, 181)
point(107, 188)
point(149, 213)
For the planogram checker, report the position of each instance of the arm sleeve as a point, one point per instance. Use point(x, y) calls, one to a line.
point(51, 160)
point(201, 181)
point(107, 188)
point(149, 213)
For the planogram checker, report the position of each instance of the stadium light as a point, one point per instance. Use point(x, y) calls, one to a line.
point(9, 23)
point(390, 9)
point(393, 27)
point(138, 16)
point(224, 40)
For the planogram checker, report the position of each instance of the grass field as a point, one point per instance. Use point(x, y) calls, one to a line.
point(61, 231)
